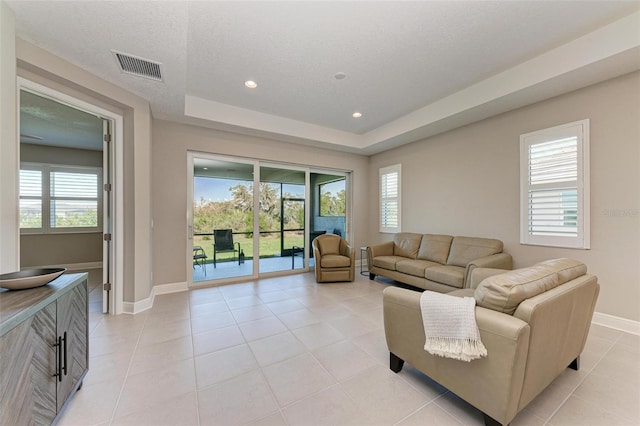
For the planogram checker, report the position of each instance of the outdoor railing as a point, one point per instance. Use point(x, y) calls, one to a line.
point(269, 245)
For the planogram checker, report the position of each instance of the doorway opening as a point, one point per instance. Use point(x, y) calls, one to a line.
point(69, 195)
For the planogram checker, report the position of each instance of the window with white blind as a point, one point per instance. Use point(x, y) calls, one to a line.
point(390, 205)
point(554, 190)
point(60, 198)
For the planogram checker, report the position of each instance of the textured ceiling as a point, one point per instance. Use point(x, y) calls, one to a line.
point(399, 58)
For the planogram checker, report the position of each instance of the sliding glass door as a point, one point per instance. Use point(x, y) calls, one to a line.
point(222, 229)
point(282, 219)
point(248, 218)
point(328, 205)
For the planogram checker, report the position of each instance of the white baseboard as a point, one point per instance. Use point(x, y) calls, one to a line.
point(617, 323)
point(70, 266)
point(133, 308)
point(170, 288)
point(144, 304)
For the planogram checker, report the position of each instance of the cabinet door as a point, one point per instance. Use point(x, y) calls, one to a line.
point(27, 368)
point(72, 320)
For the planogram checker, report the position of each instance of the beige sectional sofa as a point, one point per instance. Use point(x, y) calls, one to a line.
point(440, 263)
point(533, 322)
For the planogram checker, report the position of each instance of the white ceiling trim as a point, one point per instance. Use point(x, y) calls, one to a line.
point(228, 114)
point(607, 42)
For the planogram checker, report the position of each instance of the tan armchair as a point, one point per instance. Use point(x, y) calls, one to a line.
point(334, 259)
point(534, 323)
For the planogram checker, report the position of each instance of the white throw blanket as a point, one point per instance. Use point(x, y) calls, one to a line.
point(450, 326)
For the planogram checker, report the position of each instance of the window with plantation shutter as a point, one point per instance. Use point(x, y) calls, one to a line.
point(390, 207)
point(30, 198)
point(60, 198)
point(554, 168)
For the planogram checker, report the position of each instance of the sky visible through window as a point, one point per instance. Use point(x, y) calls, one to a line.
point(334, 187)
point(215, 189)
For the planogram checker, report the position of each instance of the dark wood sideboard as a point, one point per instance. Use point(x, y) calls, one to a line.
point(44, 349)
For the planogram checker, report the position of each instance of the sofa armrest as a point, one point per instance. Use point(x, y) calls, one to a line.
point(496, 261)
point(559, 319)
point(384, 249)
point(492, 384)
point(347, 250)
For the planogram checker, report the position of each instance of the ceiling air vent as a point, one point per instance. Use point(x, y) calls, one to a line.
point(141, 67)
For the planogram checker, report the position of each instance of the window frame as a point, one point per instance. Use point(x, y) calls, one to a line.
point(382, 173)
point(46, 170)
point(580, 131)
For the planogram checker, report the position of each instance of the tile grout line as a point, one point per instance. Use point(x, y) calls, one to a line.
point(193, 351)
point(126, 377)
point(258, 368)
point(574, 388)
point(443, 408)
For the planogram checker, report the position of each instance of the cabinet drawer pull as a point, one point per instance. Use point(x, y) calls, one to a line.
point(58, 347)
point(64, 341)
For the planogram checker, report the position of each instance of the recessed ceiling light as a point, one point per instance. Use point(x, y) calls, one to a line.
point(251, 84)
point(356, 114)
point(205, 168)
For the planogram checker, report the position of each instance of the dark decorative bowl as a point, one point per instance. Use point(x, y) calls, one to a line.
point(30, 278)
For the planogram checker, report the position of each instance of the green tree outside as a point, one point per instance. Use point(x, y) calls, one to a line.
point(237, 214)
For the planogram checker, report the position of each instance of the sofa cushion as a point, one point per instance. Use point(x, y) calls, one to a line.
point(446, 274)
point(406, 244)
point(387, 262)
point(435, 248)
point(463, 292)
point(504, 292)
point(466, 249)
point(335, 261)
point(328, 245)
point(414, 267)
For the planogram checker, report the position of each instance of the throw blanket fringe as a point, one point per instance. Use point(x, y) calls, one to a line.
point(450, 326)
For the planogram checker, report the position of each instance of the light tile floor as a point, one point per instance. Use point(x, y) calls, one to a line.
point(288, 351)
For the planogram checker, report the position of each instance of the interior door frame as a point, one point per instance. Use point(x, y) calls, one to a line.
point(116, 173)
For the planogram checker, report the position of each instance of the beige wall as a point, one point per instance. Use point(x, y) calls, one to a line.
point(44, 68)
point(170, 145)
point(60, 249)
point(466, 182)
point(9, 235)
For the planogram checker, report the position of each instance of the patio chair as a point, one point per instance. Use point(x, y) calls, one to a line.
point(199, 258)
point(223, 243)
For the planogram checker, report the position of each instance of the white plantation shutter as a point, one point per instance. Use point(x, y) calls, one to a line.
point(60, 198)
point(74, 198)
point(554, 186)
point(390, 199)
point(31, 198)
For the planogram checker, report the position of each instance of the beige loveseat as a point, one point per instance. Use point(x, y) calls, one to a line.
point(533, 321)
point(435, 262)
